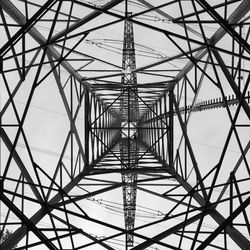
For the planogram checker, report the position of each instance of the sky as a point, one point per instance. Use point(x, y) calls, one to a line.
point(158, 44)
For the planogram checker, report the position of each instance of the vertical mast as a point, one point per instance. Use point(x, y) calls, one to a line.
point(128, 144)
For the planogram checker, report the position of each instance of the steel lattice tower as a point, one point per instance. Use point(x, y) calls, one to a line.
point(130, 115)
point(124, 124)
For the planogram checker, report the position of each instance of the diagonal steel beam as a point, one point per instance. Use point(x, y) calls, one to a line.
point(237, 165)
point(20, 164)
point(235, 17)
point(234, 234)
point(14, 13)
point(92, 238)
point(86, 19)
point(21, 231)
point(67, 107)
point(28, 224)
point(170, 231)
point(169, 17)
point(187, 141)
point(85, 196)
point(245, 6)
point(231, 81)
point(226, 224)
point(10, 8)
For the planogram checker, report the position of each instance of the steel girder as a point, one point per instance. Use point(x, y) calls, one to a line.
point(129, 113)
point(177, 202)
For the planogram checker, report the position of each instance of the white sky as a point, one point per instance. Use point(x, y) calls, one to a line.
point(46, 125)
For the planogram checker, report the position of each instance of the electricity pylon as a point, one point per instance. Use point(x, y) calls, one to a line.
point(90, 139)
point(130, 116)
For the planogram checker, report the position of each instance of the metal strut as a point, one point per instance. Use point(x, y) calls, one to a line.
point(128, 145)
point(230, 100)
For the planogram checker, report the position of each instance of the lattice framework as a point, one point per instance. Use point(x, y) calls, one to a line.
point(63, 110)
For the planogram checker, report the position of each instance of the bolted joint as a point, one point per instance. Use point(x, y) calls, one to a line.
point(85, 85)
